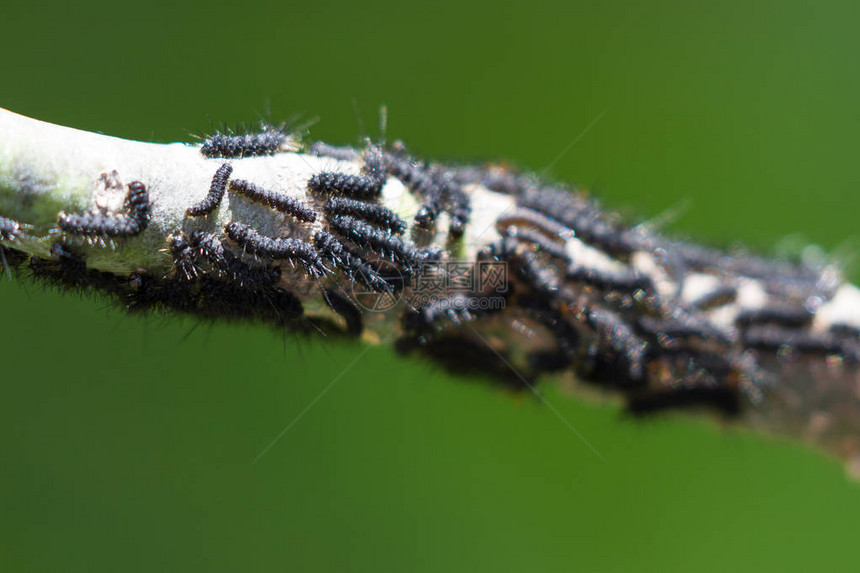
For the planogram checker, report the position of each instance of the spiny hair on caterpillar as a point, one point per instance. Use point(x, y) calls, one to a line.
point(278, 201)
point(237, 292)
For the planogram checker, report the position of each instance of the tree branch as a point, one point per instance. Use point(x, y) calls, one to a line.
point(668, 322)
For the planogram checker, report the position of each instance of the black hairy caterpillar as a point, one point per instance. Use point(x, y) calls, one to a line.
point(357, 186)
point(532, 219)
point(347, 309)
point(212, 249)
point(590, 224)
point(424, 183)
point(278, 249)
point(277, 201)
point(439, 188)
point(383, 242)
point(670, 331)
point(99, 225)
point(723, 399)
point(367, 186)
point(216, 193)
point(335, 152)
point(772, 337)
point(460, 210)
point(622, 279)
point(238, 292)
point(792, 317)
point(183, 257)
point(269, 141)
point(431, 208)
point(533, 272)
point(565, 351)
point(616, 336)
point(138, 205)
point(453, 309)
point(370, 212)
point(216, 298)
point(541, 241)
point(719, 296)
point(411, 172)
point(699, 257)
point(507, 182)
point(68, 271)
point(356, 267)
point(114, 225)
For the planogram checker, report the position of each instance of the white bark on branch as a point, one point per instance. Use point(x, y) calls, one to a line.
point(46, 169)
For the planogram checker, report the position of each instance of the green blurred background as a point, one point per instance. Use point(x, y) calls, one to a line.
point(127, 443)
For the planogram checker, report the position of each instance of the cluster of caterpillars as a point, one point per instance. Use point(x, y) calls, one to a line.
point(616, 303)
point(238, 272)
point(598, 289)
point(354, 232)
